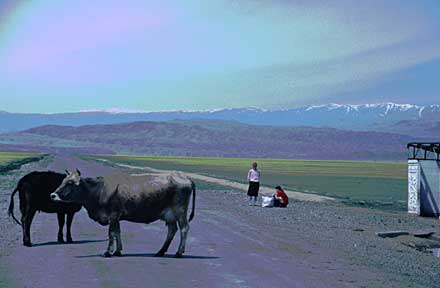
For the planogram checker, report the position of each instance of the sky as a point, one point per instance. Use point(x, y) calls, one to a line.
point(65, 56)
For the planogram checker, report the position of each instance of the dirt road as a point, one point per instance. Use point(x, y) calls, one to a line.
point(230, 244)
point(223, 182)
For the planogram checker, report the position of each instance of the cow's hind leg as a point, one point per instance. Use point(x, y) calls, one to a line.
point(61, 220)
point(26, 221)
point(118, 240)
point(184, 227)
point(114, 240)
point(27, 214)
point(172, 229)
point(69, 225)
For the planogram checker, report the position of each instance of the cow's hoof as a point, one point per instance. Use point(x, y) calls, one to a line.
point(117, 254)
point(61, 240)
point(107, 254)
point(178, 255)
point(69, 240)
point(27, 244)
point(159, 254)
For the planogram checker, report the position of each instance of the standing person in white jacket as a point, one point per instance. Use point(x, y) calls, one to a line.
point(254, 184)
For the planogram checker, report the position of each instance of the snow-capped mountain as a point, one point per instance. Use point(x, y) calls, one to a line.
point(367, 117)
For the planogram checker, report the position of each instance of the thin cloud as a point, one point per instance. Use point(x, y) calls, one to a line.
point(202, 55)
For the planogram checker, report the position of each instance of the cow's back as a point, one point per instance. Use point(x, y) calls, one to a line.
point(135, 184)
point(144, 198)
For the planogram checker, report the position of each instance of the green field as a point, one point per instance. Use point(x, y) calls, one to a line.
point(8, 157)
point(375, 183)
point(14, 160)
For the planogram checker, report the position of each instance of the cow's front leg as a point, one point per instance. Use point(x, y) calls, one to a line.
point(172, 229)
point(114, 240)
point(61, 221)
point(69, 225)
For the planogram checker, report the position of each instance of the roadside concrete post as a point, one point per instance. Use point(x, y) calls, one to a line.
point(413, 187)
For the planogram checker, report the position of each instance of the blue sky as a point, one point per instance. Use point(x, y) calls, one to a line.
point(58, 56)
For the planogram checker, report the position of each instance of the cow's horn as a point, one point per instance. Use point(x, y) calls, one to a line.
point(77, 171)
point(67, 172)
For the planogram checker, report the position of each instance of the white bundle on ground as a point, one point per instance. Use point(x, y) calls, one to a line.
point(267, 201)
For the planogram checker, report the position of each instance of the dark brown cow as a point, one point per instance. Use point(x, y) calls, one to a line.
point(34, 193)
point(136, 198)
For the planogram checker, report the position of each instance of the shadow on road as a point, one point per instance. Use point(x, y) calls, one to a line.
point(74, 242)
point(152, 255)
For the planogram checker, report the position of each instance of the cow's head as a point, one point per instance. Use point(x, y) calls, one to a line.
point(69, 190)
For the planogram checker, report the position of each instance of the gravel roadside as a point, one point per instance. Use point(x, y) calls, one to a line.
point(11, 234)
point(10, 231)
point(350, 232)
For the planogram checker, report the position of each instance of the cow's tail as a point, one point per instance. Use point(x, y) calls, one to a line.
point(11, 206)
point(193, 187)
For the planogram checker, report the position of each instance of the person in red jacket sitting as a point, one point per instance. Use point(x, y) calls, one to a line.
point(280, 198)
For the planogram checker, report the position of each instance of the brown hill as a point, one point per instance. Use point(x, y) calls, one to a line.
point(232, 139)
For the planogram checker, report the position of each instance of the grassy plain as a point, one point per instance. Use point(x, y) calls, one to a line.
point(372, 183)
point(8, 157)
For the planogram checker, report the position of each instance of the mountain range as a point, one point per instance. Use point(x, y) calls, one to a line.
point(387, 117)
point(216, 138)
point(333, 131)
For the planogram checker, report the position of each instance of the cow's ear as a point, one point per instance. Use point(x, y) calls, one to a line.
point(67, 172)
point(77, 171)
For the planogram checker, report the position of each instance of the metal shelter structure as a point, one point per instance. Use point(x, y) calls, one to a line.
point(424, 178)
point(424, 151)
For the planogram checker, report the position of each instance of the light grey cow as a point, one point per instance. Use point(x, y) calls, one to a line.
point(136, 198)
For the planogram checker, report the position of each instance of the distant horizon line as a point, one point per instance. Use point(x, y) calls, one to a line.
point(116, 110)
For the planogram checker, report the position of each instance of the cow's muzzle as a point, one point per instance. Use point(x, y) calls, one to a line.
point(54, 197)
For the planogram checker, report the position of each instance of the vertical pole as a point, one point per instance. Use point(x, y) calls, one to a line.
point(413, 187)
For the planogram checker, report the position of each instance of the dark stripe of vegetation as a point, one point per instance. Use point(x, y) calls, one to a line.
point(18, 163)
